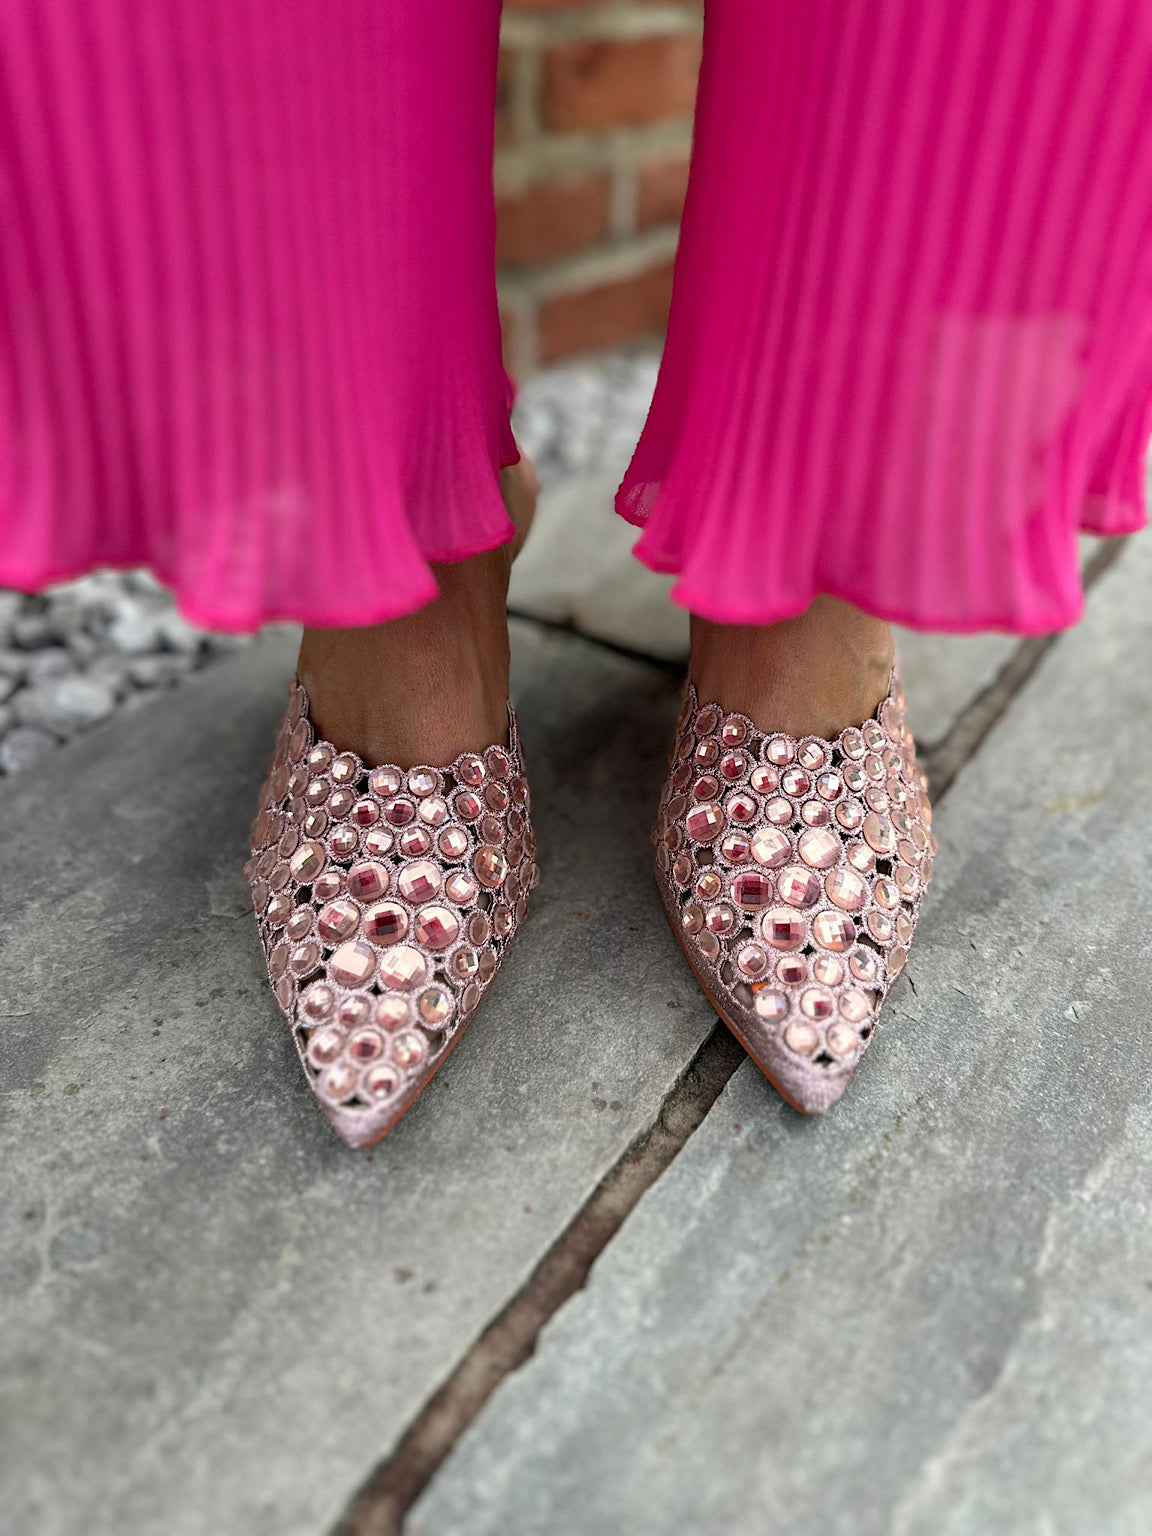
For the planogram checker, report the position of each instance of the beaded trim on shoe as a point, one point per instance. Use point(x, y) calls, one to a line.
point(386, 900)
point(792, 871)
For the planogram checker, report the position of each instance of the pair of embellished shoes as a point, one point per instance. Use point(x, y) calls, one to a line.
point(791, 872)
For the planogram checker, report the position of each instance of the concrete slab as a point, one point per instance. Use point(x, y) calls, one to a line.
point(929, 1314)
point(215, 1318)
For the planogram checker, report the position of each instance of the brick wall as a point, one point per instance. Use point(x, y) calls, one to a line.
point(593, 132)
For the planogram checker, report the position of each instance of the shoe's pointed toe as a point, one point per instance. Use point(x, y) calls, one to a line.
point(792, 873)
point(386, 900)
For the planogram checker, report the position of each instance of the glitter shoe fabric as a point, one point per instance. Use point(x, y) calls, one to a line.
point(386, 900)
point(792, 872)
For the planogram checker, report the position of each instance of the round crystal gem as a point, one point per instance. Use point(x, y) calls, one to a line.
point(436, 927)
point(470, 771)
point(416, 882)
point(770, 848)
point(792, 970)
point(842, 1039)
point(367, 881)
point(384, 782)
point(834, 930)
point(798, 887)
point(452, 843)
point(704, 822)
point(783, 928)
point(751, 961)
point(381, 1081)
point(409, 1049)
point(827, 970)
point(709, 885)
point(337, 922)
point(460, 887)
point(878, 833)
point(845, 889)
point(692, 918)
point(801, 1037)
point(753, 890)
point(764, 779)
point(365, 1046)
point(307, 862)
point(770, 1005)
point(352, 964)
point(778, 812)
point(435, 1007)
point(490, 866)
point(734, 732)
point(854, 1007)
point(325, 1046)
point(720, 919)
point(317, 1002)
point(392, 1012)
point(415, 842)
point(735, 847)
point(795, 782)
point(816, 1004)
point(402, 968)
point(468, 806)
point(819, 847)
point(385, 923)
point(779, 750)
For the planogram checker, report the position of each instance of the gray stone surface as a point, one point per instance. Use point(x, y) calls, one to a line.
point(215, 1318)
point(929, 1314)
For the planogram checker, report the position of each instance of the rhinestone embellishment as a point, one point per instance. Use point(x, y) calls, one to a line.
point(796, 892)
point(386, 901)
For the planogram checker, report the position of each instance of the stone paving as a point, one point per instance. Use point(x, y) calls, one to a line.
point(601, 1280)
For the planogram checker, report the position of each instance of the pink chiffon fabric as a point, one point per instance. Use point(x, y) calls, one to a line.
point(249, 330)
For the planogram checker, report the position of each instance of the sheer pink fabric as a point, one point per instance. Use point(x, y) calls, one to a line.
point(910, 352)
point(248, 326)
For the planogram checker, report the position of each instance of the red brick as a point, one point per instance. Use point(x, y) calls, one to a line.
point(505, 114)
point(606, 315)
point(660, 189)
point(613, 84)
point(550, 220)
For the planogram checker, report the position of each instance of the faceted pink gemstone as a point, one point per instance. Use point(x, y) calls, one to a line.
point(381, 1081)
point(861, 858)
point(416, 882)
point(735, 847)
point(842, 1039)
point(799, 887)
point(764, 779)
point(365, 813)
point(435, 1007)
point(897, 960)
point(385, 923)
point(288, 843)
point(344, 768)
point(498, 761)
point(452, 843)
point(707, 753)
point(880, 926)
point(260, 894)
point(704, 822)
point(384, 782)
point(770, 1005)
point(325, 1046)
point(877, 833)
point(829, 786)
point(874, 767)
point(795, 782)
point(707, 720)
point(792, 970)
point(378, 842)
point(734, 732)
point(854, 1007)
point(352, 964)
point(280, 877)
point(423, 781)
point(367, 881)
point(834, 930)
point(329, 885)
point(770, 848)
point(317, 1002)
point(460, 887)
point(471, 999)
point(299, 925)
point(873, 736)
point(470, 771)
point(752, 890)
point(496, 798)
point(300, 740)
point(708, 886)
point(491, 830)
point(779, 751)
point(845, 888)
point(341, 803)
point(778, 812)
point(783, 929)
point(353, 1010)
point(365, 1046)
point(741, 808)
point(720, 919)
point(692, 918)
point(854, 777)
point(751, 961)
point(392, 1012)
point(827, 970)
point(490, 866)
point(319, 757)
point(308, 861)
point(304, 959)
point(436, 927)
point(733, 766)
point(875, 799)
point(402, 968)
point(706, 788)
point(816, 1004)
point(850, 814)
point(315, 823)
point(479, 929)
point(415, 842)
point(904, 928)
point(906, 879)
point(885, 894)
point(343, 841)
point(400, 813)
point(409, 1049)
point(814, 813)
point(681, 869)
point(864, 965)
point(468, 806)
point(487, 966)
point(801, 1037)
point(708, 944)
point(819, 847)
point(464, 964)
point(433, 811)
point(316, 793)
point(811, 756)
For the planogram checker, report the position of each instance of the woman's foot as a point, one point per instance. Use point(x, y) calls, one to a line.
point(812, 675)
point(427, 686)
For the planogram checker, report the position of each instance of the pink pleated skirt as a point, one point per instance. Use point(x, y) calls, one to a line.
point(249, 334)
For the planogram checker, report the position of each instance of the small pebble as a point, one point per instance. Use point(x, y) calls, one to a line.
point(24, 747)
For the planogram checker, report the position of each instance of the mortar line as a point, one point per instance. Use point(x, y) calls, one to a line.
point(380, 1505)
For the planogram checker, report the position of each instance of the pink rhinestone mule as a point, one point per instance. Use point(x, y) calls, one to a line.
point(792, 873)
point(386, 899)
